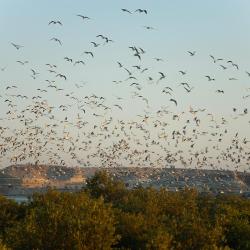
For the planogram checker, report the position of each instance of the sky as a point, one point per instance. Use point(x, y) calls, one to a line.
point(218, 28)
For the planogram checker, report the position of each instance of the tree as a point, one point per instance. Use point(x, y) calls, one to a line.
point(65, 221)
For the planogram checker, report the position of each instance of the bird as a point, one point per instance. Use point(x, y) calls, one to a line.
point(182, 72)
point(17, 46)
point(223, 67)
point(210, 78)
point(56, 40)
point(118, 106)
point(185, 83)
point(34, 72)
point(78, 62)
point(125, 10)
point(89, 53)
point(61, 76)
point(55, 22)
point(248, 73)
point(246, 96)
point(162, 75)
point(235, 65)
point(95, 44)
point(68, 59)
point(141, 11)
point(174, 101)
point(220, 91)
point(188, 89)
point(149, 27)
point(216, 60)
point(137, 55)
point(192, 53)
point(158, 59)
point(166, 92)
point(83, 17)
point(22, 62)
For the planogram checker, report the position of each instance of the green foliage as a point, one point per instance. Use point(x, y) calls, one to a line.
point(10, 213)
point(106, 215)
point(65, 221)
point(102, 185)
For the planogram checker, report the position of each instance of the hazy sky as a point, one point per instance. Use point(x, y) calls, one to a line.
point(218, 28)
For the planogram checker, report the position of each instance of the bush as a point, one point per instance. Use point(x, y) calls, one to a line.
point(65, 221)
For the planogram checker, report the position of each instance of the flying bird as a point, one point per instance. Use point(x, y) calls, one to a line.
point(78, 62)
point(182, 72)
point(61, 76)
point(83, 17)
point(128, 11)
point(174, 101)
point(141, 11)
point(149, 27)
point(210, 78)
point(95, 44)
point(215, 60)
point(22, 62)
point(55, 22)
point(56, 40)
point(17, 46)
point(192, 53)
point(89, 53)
point(220, 91)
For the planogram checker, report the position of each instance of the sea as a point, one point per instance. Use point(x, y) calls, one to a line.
point(18, 198)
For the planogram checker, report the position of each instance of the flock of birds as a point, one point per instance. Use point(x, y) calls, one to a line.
point(83, 128)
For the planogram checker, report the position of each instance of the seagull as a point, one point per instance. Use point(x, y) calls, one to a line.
point(95, 44)
point(83, 17)
point(185, 83)
point(210, 78)
point(158, 59)
point(166, 92)
point(77, 62)
point(173, 100)
point(192, 53)
point(142, 11)
point(17, 46)
point(235, 65)
point(183, 72)
point(246, 96)
point(55, 22)
point(137, 55)
point(118, 106)
point(162, 75)
point(61, 76)
point(149, 27)
point(56, 40)
point(125, 10)
point(120, 65)
point(89, 53)
point(188, 89)
point(223, 67)
point(68, 59)
point(215, 60)
point(23, 63)
point(34, 72)
point(220, 91)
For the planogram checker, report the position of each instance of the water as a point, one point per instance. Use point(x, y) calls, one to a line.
point(18, 198)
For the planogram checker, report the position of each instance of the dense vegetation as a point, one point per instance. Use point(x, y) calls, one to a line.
point(106, 215)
